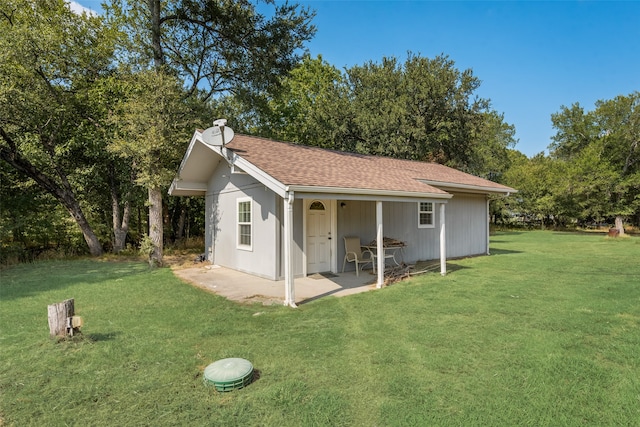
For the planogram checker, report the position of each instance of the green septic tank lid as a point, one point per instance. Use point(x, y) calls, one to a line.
point(229, 374)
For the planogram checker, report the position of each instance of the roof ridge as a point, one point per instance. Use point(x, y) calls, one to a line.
point(351, 153)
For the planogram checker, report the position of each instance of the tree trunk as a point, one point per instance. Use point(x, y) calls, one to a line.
point(62, 192)
point(156, 46)
point(121, 228)
point(120, 225)
point(120, 222)
point(181, 221)
point(155, 225)
point(619, 225)
point(59, 314)
point(95, 248)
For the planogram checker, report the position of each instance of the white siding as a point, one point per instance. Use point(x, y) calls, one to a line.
point(298, 211)
point(466, 221)
point(221, 224)
point(466, 216)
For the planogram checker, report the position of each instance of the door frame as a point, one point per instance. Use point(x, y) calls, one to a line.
point(333, 246)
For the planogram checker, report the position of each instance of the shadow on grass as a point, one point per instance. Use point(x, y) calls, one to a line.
point(452, 268)
point(26, 280)
point(503, 252)
point(80, 338)
point(108, 336)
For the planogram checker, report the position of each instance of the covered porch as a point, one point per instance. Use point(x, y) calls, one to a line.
point(333, 203)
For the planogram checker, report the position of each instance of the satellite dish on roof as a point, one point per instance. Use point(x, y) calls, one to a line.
point(219, 134)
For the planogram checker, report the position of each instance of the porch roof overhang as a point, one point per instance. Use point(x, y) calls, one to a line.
point(469, 188)
point(334, 193)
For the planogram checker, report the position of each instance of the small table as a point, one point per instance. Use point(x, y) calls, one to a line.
point(390, 252)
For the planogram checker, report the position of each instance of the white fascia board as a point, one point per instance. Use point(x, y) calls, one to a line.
point(364, 194)
point(185, 188)
point(264, 178)
point(451, 186)
point(173, 186)
point(196, 136)
point(235, 160)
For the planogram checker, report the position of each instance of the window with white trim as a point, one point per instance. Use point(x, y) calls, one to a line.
point(245, 239)
point(425, 215)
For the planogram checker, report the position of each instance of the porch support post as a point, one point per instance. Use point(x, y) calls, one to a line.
point(443, 243)
point(380, 244)
point(488, 225)
point(289, 285)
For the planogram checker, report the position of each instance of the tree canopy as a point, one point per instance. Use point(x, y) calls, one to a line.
point(49, 59)
point(602, 147)
point(215, 46)
point(422, 109)
point(80, 108)
point(592, 173)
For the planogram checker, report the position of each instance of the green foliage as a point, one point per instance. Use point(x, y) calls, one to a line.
point(422, 109)
point(147, 249)
point(575, 131)
point(152, 120)
point(305, 109)
point(593, 171)
point(216, 46)
point(538, 180)
point(602, 149)
point(543, 332)
point(50, 58)
point(32, 222)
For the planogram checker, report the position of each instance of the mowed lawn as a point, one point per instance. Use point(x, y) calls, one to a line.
point(545, 331)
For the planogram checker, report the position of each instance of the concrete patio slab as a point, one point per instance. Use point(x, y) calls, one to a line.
point(242, 287)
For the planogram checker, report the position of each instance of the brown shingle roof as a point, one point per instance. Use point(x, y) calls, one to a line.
point(294, 164)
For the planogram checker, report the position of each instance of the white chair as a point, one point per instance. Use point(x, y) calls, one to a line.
point(386, 256)
point(354, 253)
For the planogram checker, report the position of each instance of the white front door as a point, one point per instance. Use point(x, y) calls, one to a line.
point(318, 236)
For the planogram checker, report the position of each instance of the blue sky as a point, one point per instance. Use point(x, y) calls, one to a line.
point(532, 57)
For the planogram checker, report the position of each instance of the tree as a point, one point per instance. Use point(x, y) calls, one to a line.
point(495, 141)
point(214, 46)
point(210, 47)
point(537, 180)
point(422, 109)
point(603, 147)
point(591, 180)
point(32, 221)
point(49, 57)
point(149, 121)
point(307, 108)
point(575, 130)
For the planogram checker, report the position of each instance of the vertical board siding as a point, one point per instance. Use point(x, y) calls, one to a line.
point(221, 223)
point(466, 216)
point(296, 247)
point(400, 221)
point(356, 218)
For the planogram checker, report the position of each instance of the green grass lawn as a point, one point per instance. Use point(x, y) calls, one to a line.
point(545, 331)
